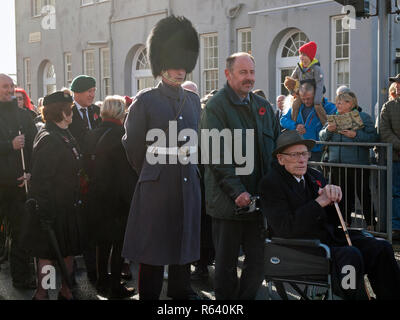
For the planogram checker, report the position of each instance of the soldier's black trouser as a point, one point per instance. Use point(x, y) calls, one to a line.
point(151, 281)
point(229, 236)
point(12, 204)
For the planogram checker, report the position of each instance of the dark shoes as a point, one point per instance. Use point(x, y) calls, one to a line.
point(27, 284)
point(126, 273)
point(121, 292)
point(200, 273)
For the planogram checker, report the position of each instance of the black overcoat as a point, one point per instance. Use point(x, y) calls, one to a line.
point(55, 184)
point(112, 182)
point(292, 214)
point(164, 221)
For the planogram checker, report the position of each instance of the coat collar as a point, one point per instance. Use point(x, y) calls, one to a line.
point(170, 91)
point(233, 97)
point(310, 180)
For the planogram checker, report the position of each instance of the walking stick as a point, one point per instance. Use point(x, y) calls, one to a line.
point(23, 167)
point(26, 191)
point(346, 233)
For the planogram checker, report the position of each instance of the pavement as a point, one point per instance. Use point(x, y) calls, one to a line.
point(85, 290)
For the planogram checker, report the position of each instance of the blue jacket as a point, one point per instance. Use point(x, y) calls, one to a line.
point(312, 124)
point(350, 154)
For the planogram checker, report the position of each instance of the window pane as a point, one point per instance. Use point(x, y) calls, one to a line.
point(338, 38)
point(345, 51)
point(338, 51)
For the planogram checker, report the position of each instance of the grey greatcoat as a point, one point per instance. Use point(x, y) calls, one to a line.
point(164, 220)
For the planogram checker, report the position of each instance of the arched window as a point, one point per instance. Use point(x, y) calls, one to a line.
point(49, 79)
point(288, 56)
point(141, 72)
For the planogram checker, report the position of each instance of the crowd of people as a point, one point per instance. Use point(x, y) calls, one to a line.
point(75, 178)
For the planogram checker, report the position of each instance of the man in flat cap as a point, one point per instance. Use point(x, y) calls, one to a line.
point(86, 116)
point(17, 132)
point(298, 203)
point(164, 222)
point(389, 131)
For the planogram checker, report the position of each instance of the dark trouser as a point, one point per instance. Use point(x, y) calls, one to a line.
point(151, 280)
point(228, 236)
point(103, 255)
point(352, 187)
point(12, 206)
point(207, 252)
point(370, 256)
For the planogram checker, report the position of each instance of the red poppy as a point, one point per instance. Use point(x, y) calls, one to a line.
point(262, 111)
point(95, 116)
point(318, 183)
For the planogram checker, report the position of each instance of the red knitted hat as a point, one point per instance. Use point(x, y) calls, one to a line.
point(310, 49)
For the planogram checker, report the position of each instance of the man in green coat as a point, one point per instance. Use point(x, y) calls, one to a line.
point(250, 130)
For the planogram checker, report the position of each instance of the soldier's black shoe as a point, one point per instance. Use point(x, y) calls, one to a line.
point(200, 273)
point(27, 284)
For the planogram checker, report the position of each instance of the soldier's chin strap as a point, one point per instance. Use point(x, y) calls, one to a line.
point(165, 75)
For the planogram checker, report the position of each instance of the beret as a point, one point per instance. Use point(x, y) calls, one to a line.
point(58, 96)
point(83, 83)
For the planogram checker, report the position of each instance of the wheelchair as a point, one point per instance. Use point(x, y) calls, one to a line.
point(298, 262)
point(294, 262)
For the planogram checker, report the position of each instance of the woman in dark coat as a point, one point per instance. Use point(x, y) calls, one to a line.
point(111, 186)
point(55, 185)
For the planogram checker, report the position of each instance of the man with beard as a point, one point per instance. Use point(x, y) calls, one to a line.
point(235, 107)
point(17, 132)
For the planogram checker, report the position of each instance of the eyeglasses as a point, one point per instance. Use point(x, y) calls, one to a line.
point(298, 155)
point(20, 98)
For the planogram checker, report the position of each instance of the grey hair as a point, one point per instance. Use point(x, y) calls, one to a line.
point(232, 58)
point(306, 87)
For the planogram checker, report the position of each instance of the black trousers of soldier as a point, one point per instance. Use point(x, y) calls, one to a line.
point(151, 281)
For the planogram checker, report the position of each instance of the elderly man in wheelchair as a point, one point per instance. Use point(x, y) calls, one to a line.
point(298, 204)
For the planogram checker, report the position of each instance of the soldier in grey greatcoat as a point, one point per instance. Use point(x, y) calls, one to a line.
point(164, 222)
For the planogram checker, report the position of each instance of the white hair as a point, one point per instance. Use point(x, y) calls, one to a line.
point(287, 103)
point(342, 89)
point(191, 86)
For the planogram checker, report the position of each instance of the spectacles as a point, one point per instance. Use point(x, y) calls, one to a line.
point(298, 155)
point(20, 98)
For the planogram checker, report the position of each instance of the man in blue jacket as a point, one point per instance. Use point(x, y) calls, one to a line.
point(308, 124)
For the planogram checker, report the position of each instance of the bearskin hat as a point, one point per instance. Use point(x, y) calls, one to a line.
point(173, 44)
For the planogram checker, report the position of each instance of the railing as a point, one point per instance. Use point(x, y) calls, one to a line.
point(379, 175)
